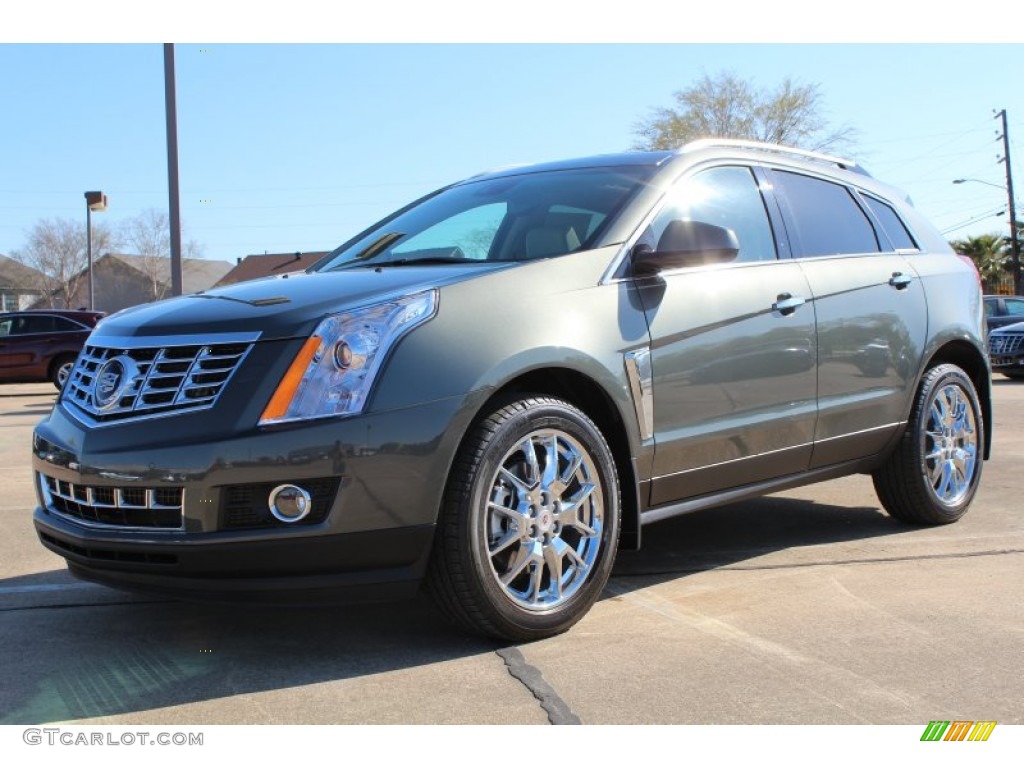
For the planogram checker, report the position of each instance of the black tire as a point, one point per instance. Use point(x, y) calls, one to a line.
point(505, 525)
point(1015, 375)
point(60, 369)
point(932, 476)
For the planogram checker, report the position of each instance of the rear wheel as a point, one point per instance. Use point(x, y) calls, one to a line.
point(931, 477)
point(529, 525)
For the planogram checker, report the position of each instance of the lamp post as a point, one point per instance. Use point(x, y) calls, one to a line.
point(1014, 243)
point(94, 201)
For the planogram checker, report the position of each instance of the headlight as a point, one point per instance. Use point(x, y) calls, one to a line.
point(334, 371)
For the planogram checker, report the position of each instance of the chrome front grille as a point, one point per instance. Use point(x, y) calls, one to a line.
point(113, 383)
point(1005, 343)
point(122, 507)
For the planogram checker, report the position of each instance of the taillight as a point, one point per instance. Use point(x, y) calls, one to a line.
point(974, 267)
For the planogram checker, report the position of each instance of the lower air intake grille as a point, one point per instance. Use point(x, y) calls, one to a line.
point(153, 508)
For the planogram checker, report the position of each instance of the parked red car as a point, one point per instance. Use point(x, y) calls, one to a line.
point(43, 344)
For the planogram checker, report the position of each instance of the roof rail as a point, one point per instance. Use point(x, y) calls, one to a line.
point(777, 148)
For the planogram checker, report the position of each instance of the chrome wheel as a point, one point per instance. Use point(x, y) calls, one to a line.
point(932, 474)
point(950, 444)
point(544, 520)
point(529, 524)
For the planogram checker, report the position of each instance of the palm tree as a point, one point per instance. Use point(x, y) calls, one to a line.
point(989, 254)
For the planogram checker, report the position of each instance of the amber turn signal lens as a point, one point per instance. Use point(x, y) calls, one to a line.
point(278, 405)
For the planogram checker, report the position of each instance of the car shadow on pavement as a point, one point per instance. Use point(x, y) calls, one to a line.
point(106, 653)
point(86, 651)
point(729, 535)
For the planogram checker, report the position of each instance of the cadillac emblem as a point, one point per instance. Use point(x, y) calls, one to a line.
point(112, 379)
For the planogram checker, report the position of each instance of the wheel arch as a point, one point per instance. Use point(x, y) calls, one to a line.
point(968, 358)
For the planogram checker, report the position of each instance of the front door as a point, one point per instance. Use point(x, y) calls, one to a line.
point(732, 350)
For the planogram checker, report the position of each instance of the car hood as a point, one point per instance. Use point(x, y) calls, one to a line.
point(1012, 328)
point(284, 306)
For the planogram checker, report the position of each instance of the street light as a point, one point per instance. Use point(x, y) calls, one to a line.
point(989, 183)
point(1014, 244)
point(94, 201)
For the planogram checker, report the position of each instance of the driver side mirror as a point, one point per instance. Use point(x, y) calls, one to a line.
point(687, 244)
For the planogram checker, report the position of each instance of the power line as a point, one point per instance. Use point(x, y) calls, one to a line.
point(961, 225)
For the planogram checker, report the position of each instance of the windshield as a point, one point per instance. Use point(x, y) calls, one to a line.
point(512, 218)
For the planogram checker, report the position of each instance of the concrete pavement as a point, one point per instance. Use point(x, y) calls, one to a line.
point(811, 606)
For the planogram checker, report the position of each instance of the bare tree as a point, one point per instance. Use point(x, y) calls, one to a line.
point(148, 235)
point(57, 248)
point(726, 106)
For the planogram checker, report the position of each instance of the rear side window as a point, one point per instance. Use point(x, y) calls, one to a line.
point(894, 227)
point(63, 325)
point(1014, 307)
point(826, 219)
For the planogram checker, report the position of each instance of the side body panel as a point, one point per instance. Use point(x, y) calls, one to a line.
point(734, 381)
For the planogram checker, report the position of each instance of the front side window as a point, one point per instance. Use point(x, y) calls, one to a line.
point(726, 197)
point(824, 216)
point(512, 218)
point(34, 324)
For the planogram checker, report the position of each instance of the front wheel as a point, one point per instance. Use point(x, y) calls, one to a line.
point(529, 525)
point(932, 476)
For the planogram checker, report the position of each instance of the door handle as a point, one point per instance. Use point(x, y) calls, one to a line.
point(787, 303)
point(899, 281)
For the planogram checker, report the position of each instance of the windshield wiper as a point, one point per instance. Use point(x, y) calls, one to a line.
point(427, 260)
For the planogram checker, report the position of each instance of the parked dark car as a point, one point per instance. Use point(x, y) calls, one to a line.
point(1006, 350)
point(492, 390)
point(43, 344)
point(1003, 310)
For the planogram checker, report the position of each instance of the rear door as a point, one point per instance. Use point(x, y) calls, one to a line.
point(732, 349)
point(870, 308)
point(28, 345)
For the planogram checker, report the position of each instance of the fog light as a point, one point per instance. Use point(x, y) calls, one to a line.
point(289, 503)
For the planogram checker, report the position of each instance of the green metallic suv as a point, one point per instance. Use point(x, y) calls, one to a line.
point(492, 390)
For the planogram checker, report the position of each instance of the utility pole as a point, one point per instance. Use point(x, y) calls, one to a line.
point(1014, 243)
point(172, 168)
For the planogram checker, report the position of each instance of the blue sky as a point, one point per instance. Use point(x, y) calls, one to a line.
point(298, 146)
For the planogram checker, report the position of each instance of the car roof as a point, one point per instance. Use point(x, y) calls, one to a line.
point(79, 314)
point(621, 159)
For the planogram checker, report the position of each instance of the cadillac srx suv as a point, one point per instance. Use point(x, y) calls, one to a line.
point(493, 389)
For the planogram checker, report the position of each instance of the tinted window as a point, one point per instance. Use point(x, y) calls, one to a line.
point(64, 325)
point(26, 324)
point(898, 234)
point(1014, 307)
point(726, 197)
point(826, 219)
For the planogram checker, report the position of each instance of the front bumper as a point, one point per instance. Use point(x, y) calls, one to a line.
point(382, 477)
point(1006, 352)
point(1008, 363)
